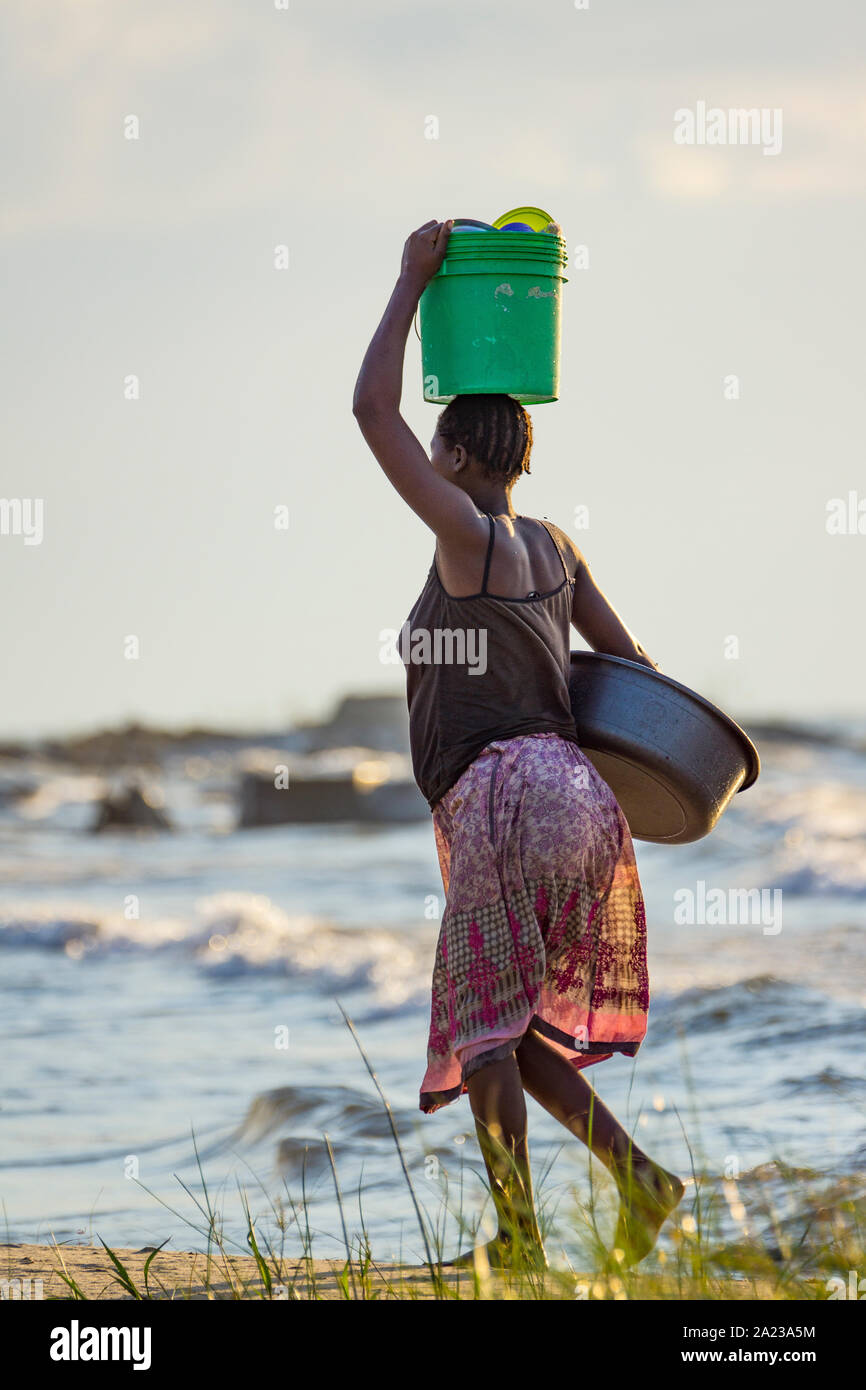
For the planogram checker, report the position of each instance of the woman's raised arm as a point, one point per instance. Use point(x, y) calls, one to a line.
point(443, 506)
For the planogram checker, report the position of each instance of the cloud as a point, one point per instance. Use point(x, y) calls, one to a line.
point(243, 108)
point(823, 147)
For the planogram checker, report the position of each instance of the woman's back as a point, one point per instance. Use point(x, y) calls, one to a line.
point(489, 662)
point(523, 562)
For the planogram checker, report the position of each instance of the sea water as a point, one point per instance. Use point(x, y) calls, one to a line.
point(175, 1006)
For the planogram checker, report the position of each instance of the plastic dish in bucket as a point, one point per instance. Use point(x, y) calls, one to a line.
point(469, 224)
point(534, 219)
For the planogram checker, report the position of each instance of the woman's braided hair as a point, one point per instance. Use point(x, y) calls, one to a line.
point(496, 430)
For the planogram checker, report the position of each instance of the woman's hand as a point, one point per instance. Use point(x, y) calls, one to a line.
point(380, 380)
point(424, 252)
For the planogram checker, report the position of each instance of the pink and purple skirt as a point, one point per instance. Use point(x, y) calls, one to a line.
point(544, 925)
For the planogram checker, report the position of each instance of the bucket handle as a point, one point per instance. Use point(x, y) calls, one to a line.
point(415, 322)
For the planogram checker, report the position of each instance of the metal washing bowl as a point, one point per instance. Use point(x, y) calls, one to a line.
point(672, 759)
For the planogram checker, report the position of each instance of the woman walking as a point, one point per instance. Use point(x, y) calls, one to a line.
point(540, 967)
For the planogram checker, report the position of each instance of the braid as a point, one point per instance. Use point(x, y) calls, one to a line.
point(494, 429)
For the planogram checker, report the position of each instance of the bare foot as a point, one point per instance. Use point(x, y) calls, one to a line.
point(648, 1195)
point(501, 1254)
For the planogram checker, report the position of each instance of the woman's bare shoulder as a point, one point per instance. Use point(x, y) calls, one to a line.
point(568, 545)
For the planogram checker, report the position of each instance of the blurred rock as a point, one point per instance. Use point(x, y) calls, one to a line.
point(141, 745)
point(130, 744)
point(320, 800)
point(380, 722)
point(16, 791)
point(130, 809)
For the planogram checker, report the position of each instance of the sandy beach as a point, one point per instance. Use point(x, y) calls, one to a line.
point(182, 1274)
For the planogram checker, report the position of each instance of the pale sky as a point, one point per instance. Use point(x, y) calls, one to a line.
point(260, 127)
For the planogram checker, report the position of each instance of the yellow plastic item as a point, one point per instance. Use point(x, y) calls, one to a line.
point(536, 218)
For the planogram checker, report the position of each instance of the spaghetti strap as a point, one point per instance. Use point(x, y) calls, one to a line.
point(489, 552)
point(555, 540)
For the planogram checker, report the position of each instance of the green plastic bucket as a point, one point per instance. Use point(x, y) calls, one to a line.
point(490, 318)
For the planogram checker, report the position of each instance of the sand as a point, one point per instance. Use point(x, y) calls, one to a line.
point(184, 1274)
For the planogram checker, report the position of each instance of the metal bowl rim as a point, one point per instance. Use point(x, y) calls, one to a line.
point(733, 726)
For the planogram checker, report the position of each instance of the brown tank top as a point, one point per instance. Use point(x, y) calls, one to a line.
point(482, 668)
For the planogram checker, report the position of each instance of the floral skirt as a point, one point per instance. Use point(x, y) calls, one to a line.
point(544, 925)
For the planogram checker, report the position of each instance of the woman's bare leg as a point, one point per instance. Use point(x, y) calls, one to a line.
point(499, 1106)
point(648, 1192)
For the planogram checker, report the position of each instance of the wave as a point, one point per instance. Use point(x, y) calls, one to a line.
point(233, 934)
point(760, 1009)
point(809, 832)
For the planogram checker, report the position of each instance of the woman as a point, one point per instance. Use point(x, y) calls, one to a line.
point(541, 963)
